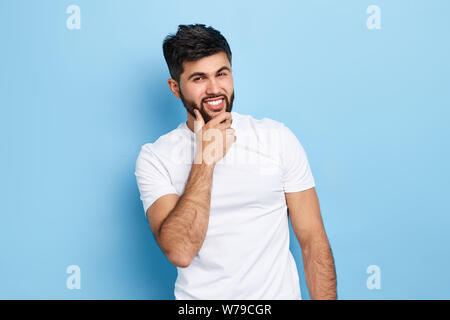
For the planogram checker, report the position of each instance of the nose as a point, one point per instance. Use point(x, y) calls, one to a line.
point(212, 87)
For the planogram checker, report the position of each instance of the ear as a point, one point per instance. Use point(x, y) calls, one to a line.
point(173, 85)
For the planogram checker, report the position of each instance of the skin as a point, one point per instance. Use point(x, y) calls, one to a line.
point(179, 223)
point(318, 262)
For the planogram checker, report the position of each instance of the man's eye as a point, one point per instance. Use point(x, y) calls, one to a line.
point(222, 74)
point(198, 78)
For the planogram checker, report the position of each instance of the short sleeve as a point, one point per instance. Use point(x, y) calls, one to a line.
point(296, 172)
point(152, 177)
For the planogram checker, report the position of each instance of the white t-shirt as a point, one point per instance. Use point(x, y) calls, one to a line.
point(245, 254)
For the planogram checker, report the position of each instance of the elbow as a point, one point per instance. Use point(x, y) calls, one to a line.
point(180, 261)
point(172, 252)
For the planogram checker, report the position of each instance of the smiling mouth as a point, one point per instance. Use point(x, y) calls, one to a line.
point(215, 104)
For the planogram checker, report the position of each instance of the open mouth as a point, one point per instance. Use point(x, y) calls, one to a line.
point(215, 104)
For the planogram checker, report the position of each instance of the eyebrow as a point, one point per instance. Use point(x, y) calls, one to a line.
point(204, 74)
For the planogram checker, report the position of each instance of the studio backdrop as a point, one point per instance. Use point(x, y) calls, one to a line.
point(364, 85)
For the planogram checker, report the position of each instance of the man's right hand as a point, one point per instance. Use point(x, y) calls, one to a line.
point(213, 139)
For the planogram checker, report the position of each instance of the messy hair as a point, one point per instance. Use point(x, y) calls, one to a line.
point(190, 43)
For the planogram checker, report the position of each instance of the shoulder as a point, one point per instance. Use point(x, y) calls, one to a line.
point(163, 146)
point(248, 121)
point(273, 132)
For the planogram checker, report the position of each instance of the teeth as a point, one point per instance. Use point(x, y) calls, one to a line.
point(214, 103)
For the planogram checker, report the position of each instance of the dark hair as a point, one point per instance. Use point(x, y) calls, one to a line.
point(192, 42)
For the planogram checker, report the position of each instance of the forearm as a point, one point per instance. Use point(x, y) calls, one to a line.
point(319, 269)
point(184, 230)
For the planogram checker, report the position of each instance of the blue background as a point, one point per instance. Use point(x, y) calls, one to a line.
point(370, 107)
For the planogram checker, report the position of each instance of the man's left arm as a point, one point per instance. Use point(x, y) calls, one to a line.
point(308, 227)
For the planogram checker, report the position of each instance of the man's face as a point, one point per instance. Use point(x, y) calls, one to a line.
point(207, 85)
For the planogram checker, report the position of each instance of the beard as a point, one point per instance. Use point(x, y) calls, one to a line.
point(190, 105)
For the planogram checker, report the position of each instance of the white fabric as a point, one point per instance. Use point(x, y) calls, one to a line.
point(245, 254)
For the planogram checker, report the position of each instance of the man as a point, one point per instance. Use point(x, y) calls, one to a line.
point(218, 189)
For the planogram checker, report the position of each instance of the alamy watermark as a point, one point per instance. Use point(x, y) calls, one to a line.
point(374, 20)
point(374, 280)
point(73, 22)
point(74, 280)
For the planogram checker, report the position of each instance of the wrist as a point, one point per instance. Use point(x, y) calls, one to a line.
point(198, 160)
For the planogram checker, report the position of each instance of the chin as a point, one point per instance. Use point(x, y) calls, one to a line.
point(214, 112)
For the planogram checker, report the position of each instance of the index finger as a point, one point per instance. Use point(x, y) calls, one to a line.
point(218, 119)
